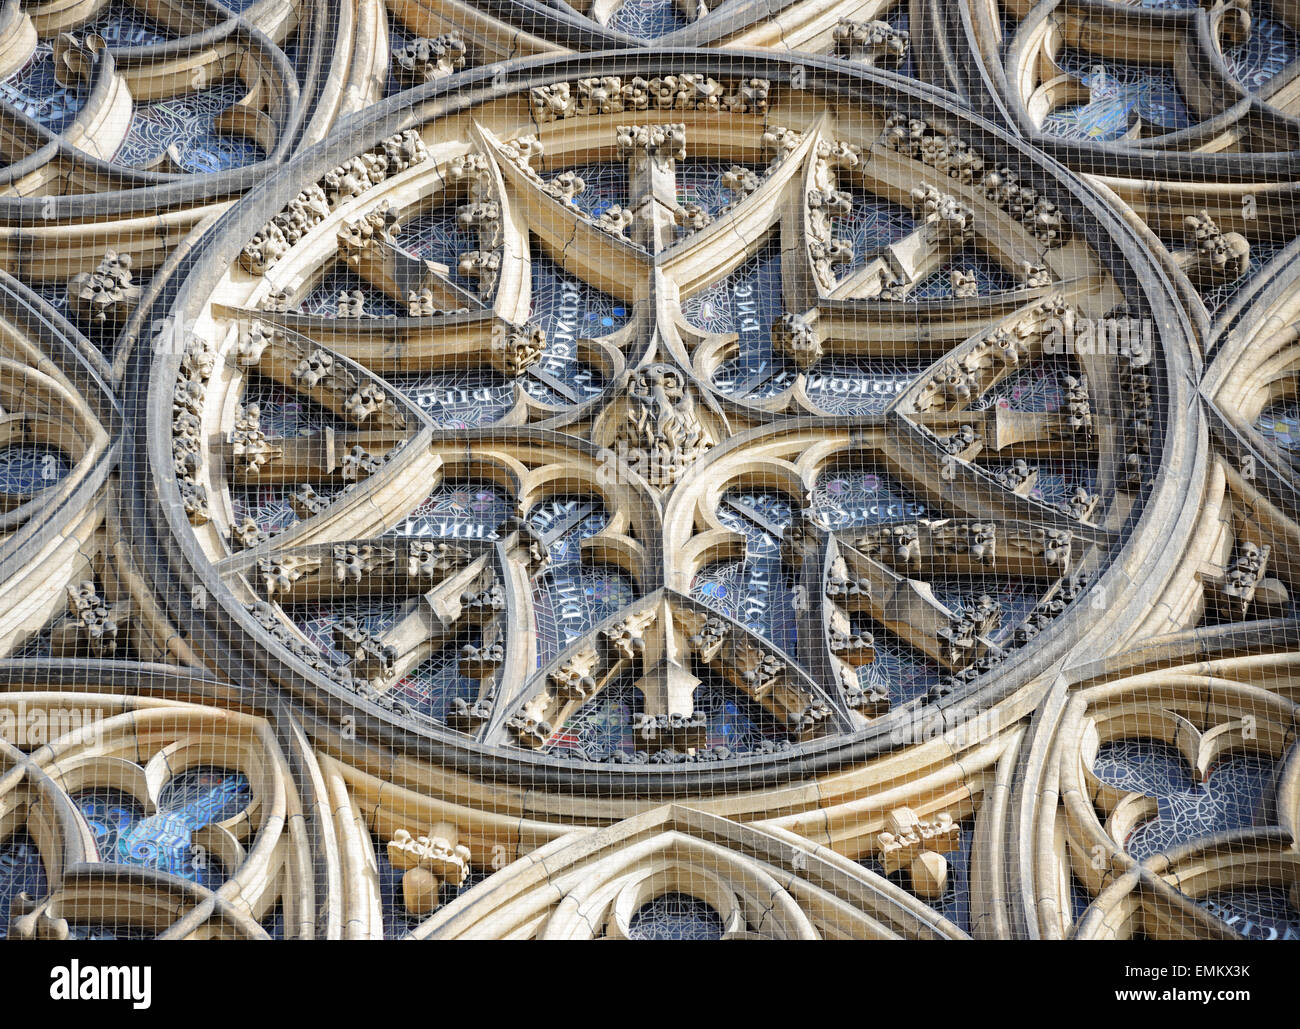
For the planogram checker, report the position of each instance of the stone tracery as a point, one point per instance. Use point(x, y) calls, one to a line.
point(785, 423)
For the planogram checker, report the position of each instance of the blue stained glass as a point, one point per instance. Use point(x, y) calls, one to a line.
point(285, 413)
point(852, 497)
point(675, 916)
point(1232, 797)
point(458, 509)
point(273, 922)
point(270, 504)
point(859, 385)
point(429, 688)
point(746, 302)
point(27, 468)
point(1261, 252)
point(1256, 912)
point(733, 720)
point(562, 523)
point(1270, 46)
point(188, 802)
point(1080, 898)
point(1119, 91)
point(33, 91)
point(1008, 23)
point(871, 225)
point(1035, 388)
point(569, 599)
point(699, 181)
point(1280, 422)
point(299, 56)
point(323, 297)
point(1057, 477)
point(205, 795)
point(438, 236)
point(601, 726)
point(123, 26)
point(604, 725)
point(648, 19)
point(990, 277)
point(757, 592)
point(603, 186)
point(759, 517)
point(900, 671)
point(458, 399)
point(317, 621)
point(847, 498)
point(109, 813)
point(188, 122)
point(21, 871)
point(567, 310)
point(1017, 598)
point(432, 687)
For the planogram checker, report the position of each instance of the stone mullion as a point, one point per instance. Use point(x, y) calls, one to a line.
point(502, 687)
point(512, 293)
point(652, 185)
point(532, 713)
point(1008, 433)
point(953, 483)
point(528, 203)
point(313, 459)
point(968, 547)
point(704, 258)
point(903, 605)
point(439, 616)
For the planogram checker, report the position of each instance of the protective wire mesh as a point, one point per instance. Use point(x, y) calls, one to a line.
point(648, 469)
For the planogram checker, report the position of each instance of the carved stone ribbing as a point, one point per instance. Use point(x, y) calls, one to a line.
point(359, 236)
point(368, 657)
point(659, 143)
point(98, 629)
point(196, 367)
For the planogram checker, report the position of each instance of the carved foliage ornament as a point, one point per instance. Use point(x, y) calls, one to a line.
point(423, 59)
point(616, 95)
point(661, 434)
point(314, 204)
